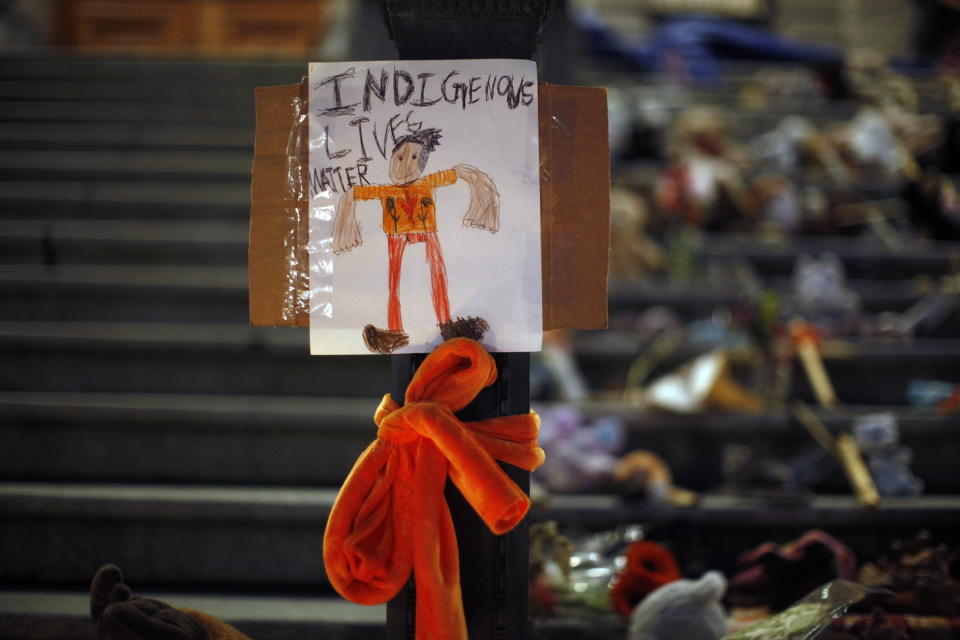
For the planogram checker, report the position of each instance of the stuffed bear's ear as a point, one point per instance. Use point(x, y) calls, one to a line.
point(710, 587)
point(102, 587)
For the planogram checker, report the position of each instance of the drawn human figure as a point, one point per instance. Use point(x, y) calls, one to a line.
point(410, 217)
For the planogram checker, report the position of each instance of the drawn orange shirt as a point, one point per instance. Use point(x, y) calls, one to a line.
point(407, 208)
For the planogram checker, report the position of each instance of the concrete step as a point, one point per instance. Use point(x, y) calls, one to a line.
point(162, 293)
point(154, 200)
point(146, 71)
point(104, 437)
point(164, 535)
point(85, 111)
point(135, 294)
point(873, 262)
point(596, 511)
point(234, 94)
point(693, 445)
point(123, 242)
point(183, 166)
point(179, 358)
point(879, 373)
point(867, 372)
point(125, 136)
point(699, 299)
point(229, 358)
point(291, 440)
point(64, 615)
point(714, 533)
point(862, 258)
point(58, 534)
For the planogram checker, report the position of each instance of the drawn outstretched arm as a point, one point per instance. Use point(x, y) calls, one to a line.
point(346, 230)
point(484, 209)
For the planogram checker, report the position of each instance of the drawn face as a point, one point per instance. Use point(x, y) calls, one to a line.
point(405, 163)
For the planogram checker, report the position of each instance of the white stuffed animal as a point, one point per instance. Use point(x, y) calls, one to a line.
point(682, 610)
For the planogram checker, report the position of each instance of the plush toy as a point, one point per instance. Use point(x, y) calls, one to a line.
point(645, 475)
point(779, 210)
point(581, 456)
point(777, 575)
point(821, 294)
point(633, 253)
point(704, 185)
point(878, 438)
point(119, 615)
point(796, 148)
point(682, 610)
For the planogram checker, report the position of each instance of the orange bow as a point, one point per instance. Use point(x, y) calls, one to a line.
point(390, 515)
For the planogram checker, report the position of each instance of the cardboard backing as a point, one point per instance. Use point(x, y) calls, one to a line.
point(574, 208)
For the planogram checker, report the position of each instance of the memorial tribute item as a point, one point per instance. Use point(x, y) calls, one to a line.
point(648, 567)
point(117, 614)
point(809, 617)
point(446, 149)
point(572, 179)
point(701, 385)
point(530, 211)
point(775, 575)
point(390, 517)
point(682, 610)
point(845, 449)
point(806, 341)
point(574, 210)
point(878, 438)
point(916, 576)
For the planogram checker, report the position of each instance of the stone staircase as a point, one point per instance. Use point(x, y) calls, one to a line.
point(142, 422)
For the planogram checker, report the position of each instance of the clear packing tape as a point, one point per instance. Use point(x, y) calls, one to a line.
point(808, 618)
point(574, 195)
point(296, 296)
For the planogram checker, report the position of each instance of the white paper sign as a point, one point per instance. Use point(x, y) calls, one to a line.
point(424, 205)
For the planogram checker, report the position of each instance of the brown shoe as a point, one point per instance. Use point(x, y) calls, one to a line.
point(470, 327)
point(384, 340)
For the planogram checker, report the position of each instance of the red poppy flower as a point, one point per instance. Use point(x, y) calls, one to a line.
point(649, 567)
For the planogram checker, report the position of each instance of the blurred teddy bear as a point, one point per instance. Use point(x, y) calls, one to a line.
point(878, 438)
point(682, 610)
point(118, 614)
point(633, 253)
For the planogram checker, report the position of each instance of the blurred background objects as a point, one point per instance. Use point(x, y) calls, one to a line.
point(776, 398)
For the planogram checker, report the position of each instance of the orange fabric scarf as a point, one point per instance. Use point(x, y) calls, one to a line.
point(390, 515)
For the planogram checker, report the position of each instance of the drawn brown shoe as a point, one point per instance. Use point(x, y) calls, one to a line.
point(470, 327)
point(384, 340)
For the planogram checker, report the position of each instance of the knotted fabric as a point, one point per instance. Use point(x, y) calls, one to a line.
point(390, 516)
